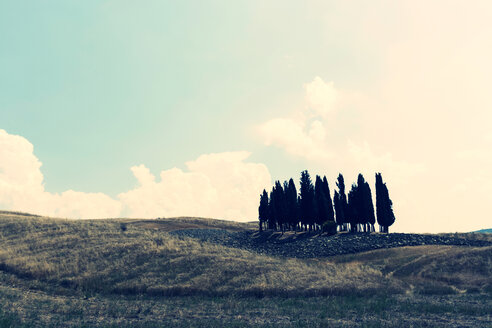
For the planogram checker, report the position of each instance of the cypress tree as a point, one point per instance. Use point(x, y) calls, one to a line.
point(263, 209)
point(307, 201)
point(341, 205)
point(280, 205)
point(326, 190)
point(272, 224)
point(353, 208)
point(384, 205)
point(365, 206)
point(321, 202)
point(361, 218)
point(292, 205)
point(338, 210)
point(369, 208)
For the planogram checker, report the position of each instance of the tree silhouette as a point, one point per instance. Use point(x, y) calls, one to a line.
point(338, 210)
point(279, 205)
point(321, 202)
point(292, 204)
point(307, 200)
point(369, 208)
point(284, 208)
point(365, 208)
point(263, 209)
point(353, 208)
point(341, 206)
point(384, 205)
point(326, 190)
point(272, 224)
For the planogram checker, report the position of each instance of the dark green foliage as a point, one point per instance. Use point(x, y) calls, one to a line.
point(284, 209)
point(263, 209)
point(338, 210)
point(329, 227)
point(384, 205)
point(307, 201)
point(361, 209)
point(292, 204)
point(341, 206)
point(321, 202)
point(353, 208)
point(272, 224)
point(277, 205)
point(326, 190)
point(365, 206)
point(369, 207)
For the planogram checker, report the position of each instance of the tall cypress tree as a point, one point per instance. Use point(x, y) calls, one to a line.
point(280, 205)
point(353, 215)
point(365, 207)
point(369, 207)
point(326, 190)
point(384, 205)
point(263, 209)
point(292, 205)
point(341, 206)
point(307, 201)
point(321, 202)
point(338, 210)
point(272, 213)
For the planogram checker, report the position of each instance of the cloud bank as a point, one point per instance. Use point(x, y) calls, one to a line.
point(218, 185)
point(329, 134)
point(311, 133)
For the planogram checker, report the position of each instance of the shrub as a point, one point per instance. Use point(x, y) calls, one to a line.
point(329, 227)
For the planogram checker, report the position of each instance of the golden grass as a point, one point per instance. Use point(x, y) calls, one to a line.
point(100, 256)
point(432, 268)
point(135, 256)
point(170, 224)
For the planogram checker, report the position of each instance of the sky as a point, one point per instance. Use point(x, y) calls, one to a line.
point(190, 108)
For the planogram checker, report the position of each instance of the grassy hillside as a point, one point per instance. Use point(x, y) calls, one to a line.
point(110, 272)
point(134, 257)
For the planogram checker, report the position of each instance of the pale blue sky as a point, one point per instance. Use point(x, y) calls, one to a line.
point(99, 87)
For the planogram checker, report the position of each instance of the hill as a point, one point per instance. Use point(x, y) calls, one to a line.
point(193, 271)
point(484, 231)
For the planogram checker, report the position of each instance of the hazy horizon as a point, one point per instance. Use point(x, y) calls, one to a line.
point(119, 109)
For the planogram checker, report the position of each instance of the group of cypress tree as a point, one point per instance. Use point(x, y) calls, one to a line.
point(313, 209)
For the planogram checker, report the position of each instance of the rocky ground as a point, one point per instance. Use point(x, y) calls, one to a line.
point(312, 245)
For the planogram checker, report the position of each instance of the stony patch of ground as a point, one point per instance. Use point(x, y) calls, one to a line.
point(314, 245)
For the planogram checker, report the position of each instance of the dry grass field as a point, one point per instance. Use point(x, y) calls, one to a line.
point(125, 272)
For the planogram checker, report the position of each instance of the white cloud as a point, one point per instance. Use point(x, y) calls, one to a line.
point(219, 185)
point(397, 171)
point(215, 185)
point(21, 186)
point(305, 134)
point(291, 134)
point(321, 96)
